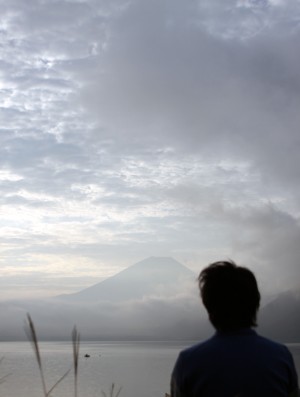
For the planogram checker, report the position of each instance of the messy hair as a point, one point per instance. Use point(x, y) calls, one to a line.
point(230, 295)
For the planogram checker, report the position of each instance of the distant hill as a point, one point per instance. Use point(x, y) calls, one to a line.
point(154, 276)
point(280, 318)
point(156, 298)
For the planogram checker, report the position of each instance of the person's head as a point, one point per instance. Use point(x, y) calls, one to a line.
point(230, 295)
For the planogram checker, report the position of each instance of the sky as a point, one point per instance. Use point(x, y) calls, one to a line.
point(136, 128)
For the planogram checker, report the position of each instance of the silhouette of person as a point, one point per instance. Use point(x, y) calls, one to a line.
point(235, 361)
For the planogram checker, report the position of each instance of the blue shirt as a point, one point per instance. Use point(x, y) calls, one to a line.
point(240, 363)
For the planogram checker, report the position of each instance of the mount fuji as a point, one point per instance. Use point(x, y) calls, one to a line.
point(154, 276)
point(156, 298)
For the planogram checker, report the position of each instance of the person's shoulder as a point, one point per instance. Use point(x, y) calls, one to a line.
point(188, 360)
point(269, 342)
point(196, 349)
point(272, 345)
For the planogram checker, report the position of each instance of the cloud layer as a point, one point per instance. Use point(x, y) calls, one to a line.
point(138, 128)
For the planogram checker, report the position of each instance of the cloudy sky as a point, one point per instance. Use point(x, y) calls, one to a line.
point(136, 128)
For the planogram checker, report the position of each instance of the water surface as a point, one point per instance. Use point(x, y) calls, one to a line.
point(142, 369)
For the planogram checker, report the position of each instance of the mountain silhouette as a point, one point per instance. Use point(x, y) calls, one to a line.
point(279, 319)
point(154, 276)
point(155, 299)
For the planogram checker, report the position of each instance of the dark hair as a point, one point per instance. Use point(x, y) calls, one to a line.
point(230, 295)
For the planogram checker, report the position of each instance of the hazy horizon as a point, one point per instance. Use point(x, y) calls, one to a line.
point(155, 299)
point(266, 293)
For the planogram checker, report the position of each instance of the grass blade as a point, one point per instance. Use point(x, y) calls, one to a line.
point(2, 379)
point(58, 382)
point(111, 392)
point(76, 345)
point(34, 341)
point(119, 391)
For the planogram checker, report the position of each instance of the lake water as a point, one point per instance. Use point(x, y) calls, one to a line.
point(142, 369)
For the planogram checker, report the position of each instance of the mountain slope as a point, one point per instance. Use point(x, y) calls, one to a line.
point(154, 276)
point(279, 319)
point(156, 298)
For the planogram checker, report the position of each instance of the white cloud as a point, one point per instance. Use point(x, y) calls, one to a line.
point(138, 128)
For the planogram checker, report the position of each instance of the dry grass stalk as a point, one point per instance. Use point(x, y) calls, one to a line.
point(35, 345)
point(58, 382)
point(111, 392)
point(2, 379)
point(75, 344)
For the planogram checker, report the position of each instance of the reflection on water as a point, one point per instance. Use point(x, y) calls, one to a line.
point(142, 369)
